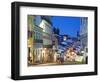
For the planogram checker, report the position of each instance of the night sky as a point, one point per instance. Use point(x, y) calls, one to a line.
point(67, 25)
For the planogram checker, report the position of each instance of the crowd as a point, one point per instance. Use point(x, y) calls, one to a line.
point(69, 55)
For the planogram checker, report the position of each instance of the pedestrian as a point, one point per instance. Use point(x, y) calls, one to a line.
point(61, 58)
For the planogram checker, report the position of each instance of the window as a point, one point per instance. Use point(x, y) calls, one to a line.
point(34, 35)
point(37, 35)
point(29, 34)
point(29, 51)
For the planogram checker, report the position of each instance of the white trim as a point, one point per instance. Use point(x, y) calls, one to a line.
point(25, 70)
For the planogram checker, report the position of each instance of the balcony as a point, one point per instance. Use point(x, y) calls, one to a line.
point(38, 41)
point(47, 46)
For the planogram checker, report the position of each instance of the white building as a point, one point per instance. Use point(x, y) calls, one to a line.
point(47, 37)
point(47, 32)
point(84, 37)
point(83, 32)
point(38, 39)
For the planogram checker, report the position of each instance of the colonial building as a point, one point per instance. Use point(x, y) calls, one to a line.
point(83, 32)
point(46, 25)
point(55, 38)
point(84, 37)
point(38, 40)
point(30, 40)
point(35, 40)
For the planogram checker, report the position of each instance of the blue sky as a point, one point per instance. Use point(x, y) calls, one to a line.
point(67, 25)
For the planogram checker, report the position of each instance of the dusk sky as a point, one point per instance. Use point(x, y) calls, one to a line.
point(67, 25)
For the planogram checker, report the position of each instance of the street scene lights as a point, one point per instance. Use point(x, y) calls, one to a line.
point(50, 42)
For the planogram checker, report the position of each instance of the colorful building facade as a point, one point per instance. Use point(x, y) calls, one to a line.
point(35, 40)
point(30, 40)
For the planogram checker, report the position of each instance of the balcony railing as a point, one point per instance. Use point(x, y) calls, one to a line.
point(38, 41)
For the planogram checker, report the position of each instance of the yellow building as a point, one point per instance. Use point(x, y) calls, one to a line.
point(30, 40)
point(35, 40)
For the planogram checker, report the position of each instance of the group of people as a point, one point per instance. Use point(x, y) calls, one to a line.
point(69, 55)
